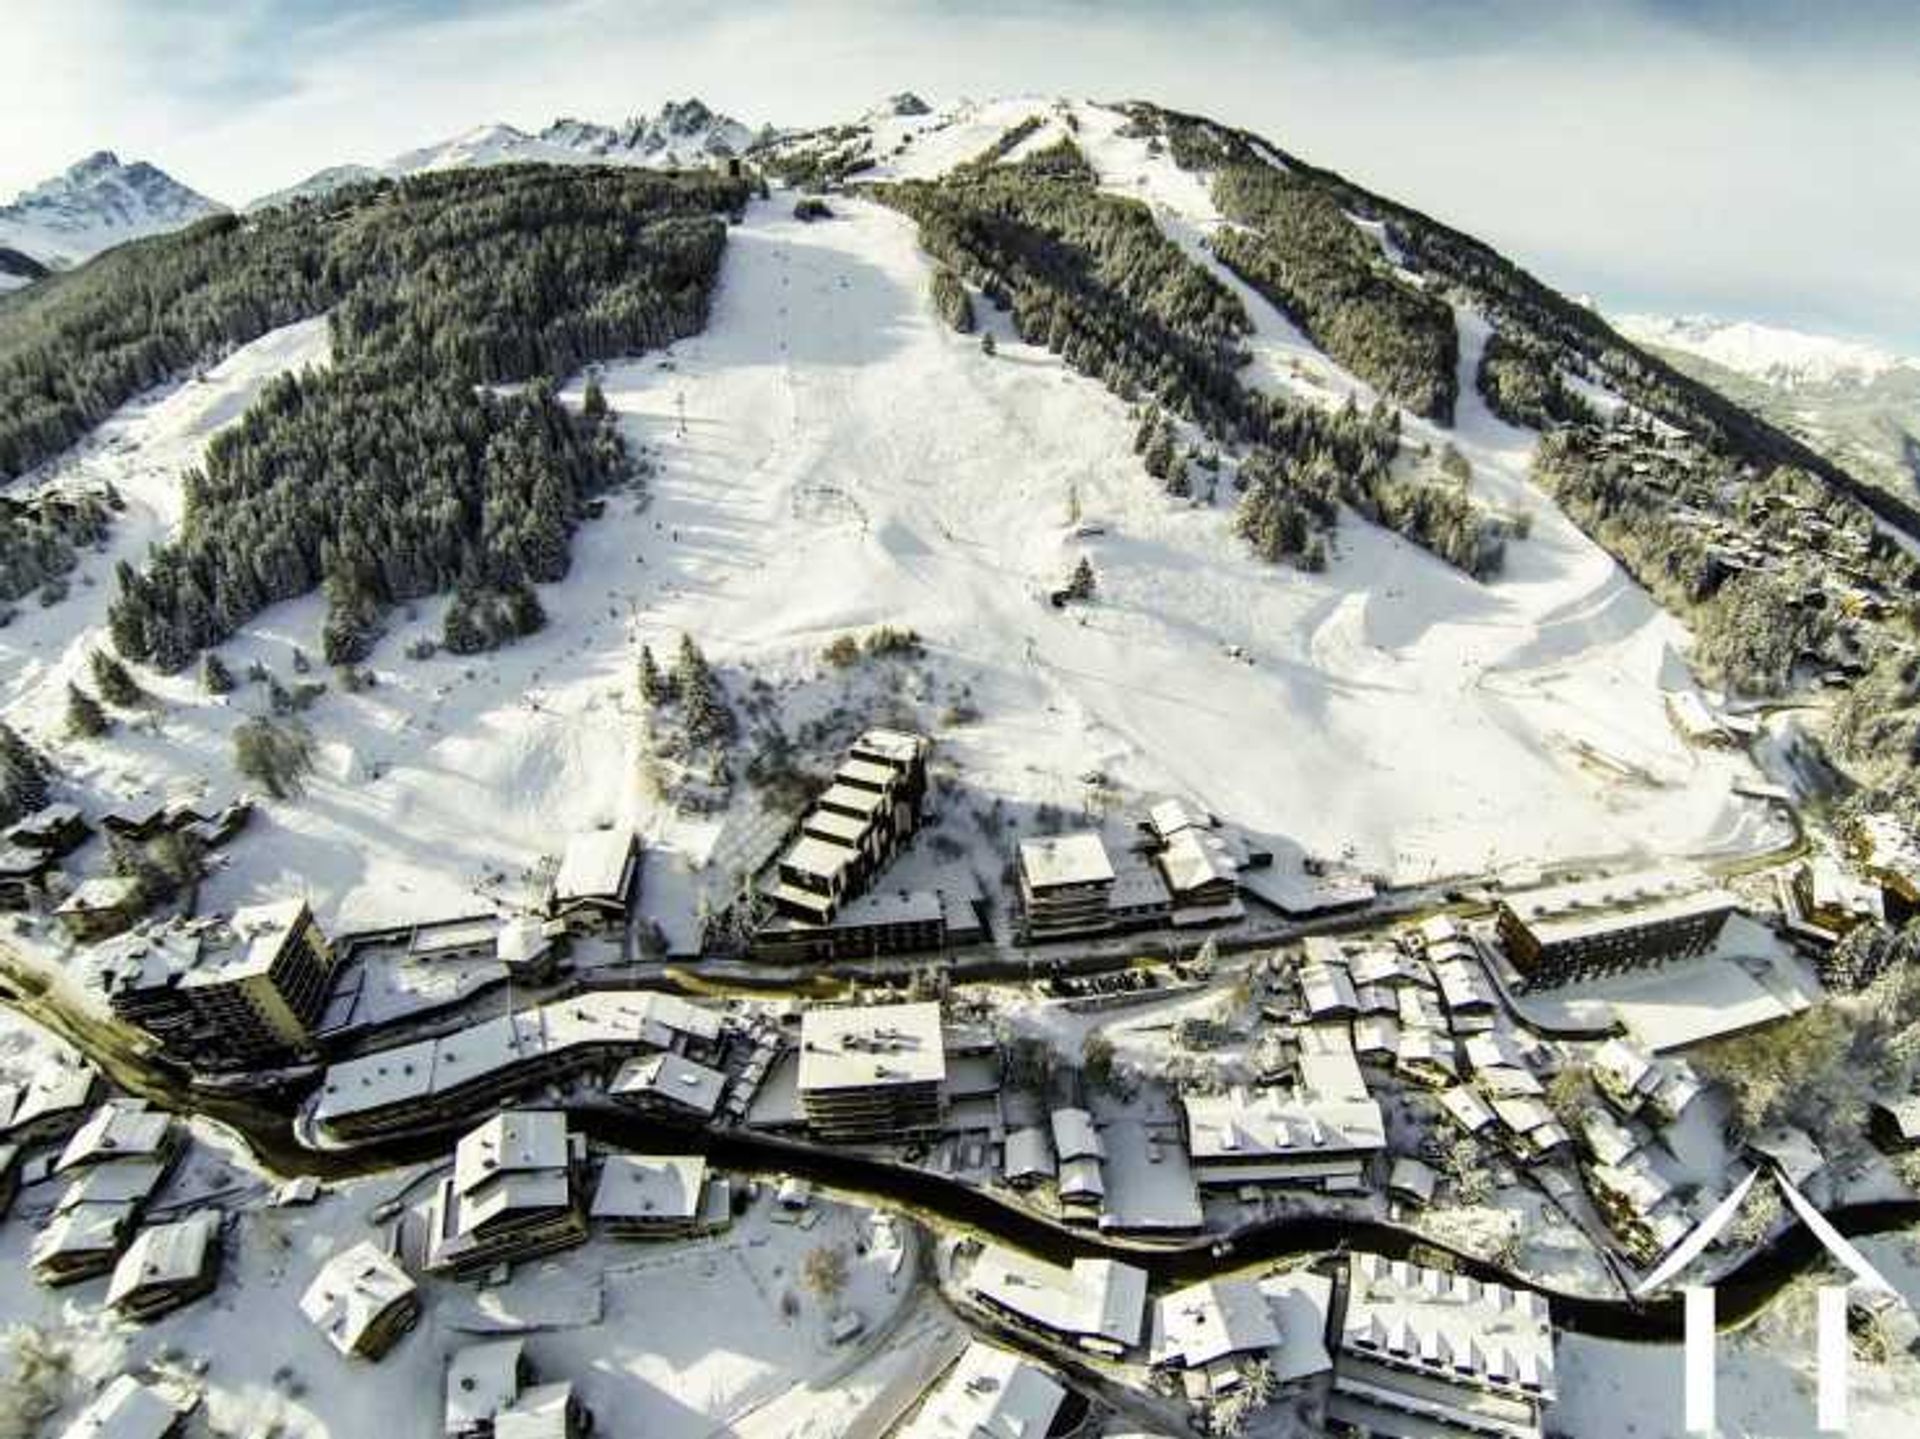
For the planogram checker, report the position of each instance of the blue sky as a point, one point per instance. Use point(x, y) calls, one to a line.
point(1756, 159)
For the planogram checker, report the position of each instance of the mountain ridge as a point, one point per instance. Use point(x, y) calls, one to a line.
point(95, 203)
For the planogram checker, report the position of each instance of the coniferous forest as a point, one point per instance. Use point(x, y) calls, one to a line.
point(431, 455)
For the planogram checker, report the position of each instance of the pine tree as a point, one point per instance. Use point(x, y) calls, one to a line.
point(987, 345)
point(85, 718)
point(274, 754)
point(593, 403)
point(117, 686)
point(23, 777)
point(1081, 586)
point(215, 677)
point(653, 685)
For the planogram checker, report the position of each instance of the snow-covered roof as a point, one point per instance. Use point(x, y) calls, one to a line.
point(671, 1077)
point(649, 1187)
point(595, 865)
point(1096, 1298)
point(83, 1229)
point(1028, 1154)
point(539, 1413)
point(1211, 1320)
point(991, 1393)
point(818, 857)
point(1469, 1110)
point(1064, 859)
point(896, 746)
point(1074, 1135)
point(1273, 1123)
point(165, 1255)
point(121, 1128)
point(1300, 1300)
point(354, 1290)
point(516, 1141)
point(609, 1019)
point(1413, 1179)
point(102, 892)
point(1170, 816)
point(859, 1046)
point(482, 1379)
point(1430, 1320)
point(1594, 906)
point(125, 1409)
point(1193, 859)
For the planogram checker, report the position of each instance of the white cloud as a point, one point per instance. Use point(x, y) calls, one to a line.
point(1656, 163)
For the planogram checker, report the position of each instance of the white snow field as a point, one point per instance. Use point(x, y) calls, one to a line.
point(831, 457)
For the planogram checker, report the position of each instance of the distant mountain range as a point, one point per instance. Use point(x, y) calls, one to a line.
point(684, 133)
point(1856, 403)
point(93, 205)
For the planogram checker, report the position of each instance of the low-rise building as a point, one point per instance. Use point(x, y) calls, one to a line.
point(1607, 926)
point(990, 1393)
point(597, 881)
point(1894, 1124)
point(1097, 1304)
point(49, 1106)
point(362, 1300)
point(1832, 901)
point(122, 1128)
point(670, 1086)
point(515, 1192)
point(54, 830)
point(1217, 1319)
point(872, 1073)
point(24, 876)
point(101, 907)
point(1429, 1355)
point(127, 1409)
point(1275, 1136)
point(81, 1242)
point(166, 1266)
point(669, 1196)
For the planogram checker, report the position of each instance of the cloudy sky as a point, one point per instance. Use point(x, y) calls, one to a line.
point(1756, 159)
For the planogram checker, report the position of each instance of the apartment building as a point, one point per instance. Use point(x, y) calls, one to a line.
point(872, 1073)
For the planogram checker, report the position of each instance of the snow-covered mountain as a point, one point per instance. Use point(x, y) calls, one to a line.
point(1858, 404)
point(1776, 356)
point(684, 133)
point(96, 204)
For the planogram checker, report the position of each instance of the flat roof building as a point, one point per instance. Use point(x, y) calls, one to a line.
point(227, 995)
point(1065, 884)
point(1606, 926)
point(872, 1073)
